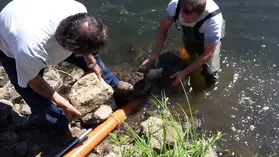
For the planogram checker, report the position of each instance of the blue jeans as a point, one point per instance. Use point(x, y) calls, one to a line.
point(50, 115)
point(107, 75)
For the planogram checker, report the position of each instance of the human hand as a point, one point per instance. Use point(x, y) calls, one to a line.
point(154, 58)
point(70, 111)
point(180, 75)
point(98, 71)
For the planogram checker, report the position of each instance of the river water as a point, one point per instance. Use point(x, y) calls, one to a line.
point(244, 105)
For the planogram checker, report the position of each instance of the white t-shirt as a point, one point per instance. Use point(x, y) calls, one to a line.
point(212, 28)
point(27, 29)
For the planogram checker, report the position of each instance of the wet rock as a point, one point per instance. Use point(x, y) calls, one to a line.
point(136, 79)
point(25, 110)
point(130, 77)
point(153, 127)
point(88, 94)
point(53, 78)
point(8, 92)
point(8, 137)
point(21, 149)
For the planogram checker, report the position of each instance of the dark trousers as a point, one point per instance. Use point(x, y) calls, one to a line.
point(49, 114)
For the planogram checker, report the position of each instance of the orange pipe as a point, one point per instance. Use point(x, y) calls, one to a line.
point(99, 133)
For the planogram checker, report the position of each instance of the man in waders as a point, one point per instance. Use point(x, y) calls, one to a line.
point(202, 27)
point(34, 34)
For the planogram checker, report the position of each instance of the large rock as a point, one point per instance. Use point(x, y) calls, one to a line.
point(135, 78)
point(88, 94)
point(3, 77)
point(10, 118)
point(25, 110)
point(99, 115)
point(153, 127)
point(8, 92)
point(131, 77)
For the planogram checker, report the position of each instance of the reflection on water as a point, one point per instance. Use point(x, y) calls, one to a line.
point(244, 105)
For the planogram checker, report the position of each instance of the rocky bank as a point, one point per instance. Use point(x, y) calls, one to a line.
point(94, 99)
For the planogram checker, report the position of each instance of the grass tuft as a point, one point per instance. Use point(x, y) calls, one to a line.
point(175, 140)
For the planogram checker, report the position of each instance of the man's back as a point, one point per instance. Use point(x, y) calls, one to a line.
point(27, 29)
point(33, 21)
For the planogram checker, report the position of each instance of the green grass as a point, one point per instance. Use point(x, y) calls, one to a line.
point(184, 141)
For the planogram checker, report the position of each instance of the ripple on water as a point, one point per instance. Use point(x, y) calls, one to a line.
point(256, 88)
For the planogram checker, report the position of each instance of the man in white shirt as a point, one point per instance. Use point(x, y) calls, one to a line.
point(202, 28)
point(36, 33)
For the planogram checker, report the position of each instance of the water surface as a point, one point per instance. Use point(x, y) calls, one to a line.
point(244, 105)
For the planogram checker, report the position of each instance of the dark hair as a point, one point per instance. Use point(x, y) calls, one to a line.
point(193, 6)
point(82, 33)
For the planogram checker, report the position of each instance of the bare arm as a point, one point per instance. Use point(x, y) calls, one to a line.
point(40, 86)
point(162, 35)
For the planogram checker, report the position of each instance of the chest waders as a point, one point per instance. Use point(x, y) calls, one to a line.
point(194, 44)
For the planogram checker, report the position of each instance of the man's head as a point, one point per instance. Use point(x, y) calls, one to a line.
point(191, 10)
point(82, 33)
